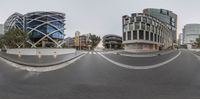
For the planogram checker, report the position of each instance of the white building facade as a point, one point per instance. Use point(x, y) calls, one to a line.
point(190, 33)
point(143, 33)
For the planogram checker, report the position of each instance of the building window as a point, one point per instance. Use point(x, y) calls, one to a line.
point(137, 25)
point(155, 30)
point(131, 26)
point(149, 21)
point(134, 15)
point(165, 12)
point(143, 26)
point(141, 34)
point(132, 19)
point(148, 27)
point(138, 19)
point(147, 35)
point(152, 28)
point(129, 35)
point(155, 36)
point(125, 28)
point(124, 36)
point(134, 35)
point(151, 36)
point(144, 19)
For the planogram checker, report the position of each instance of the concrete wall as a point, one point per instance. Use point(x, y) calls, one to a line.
point(40, 51)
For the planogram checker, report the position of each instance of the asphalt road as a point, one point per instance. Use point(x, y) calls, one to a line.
point(93, 77)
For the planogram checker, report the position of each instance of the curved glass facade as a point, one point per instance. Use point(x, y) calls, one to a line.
point(14, 21)
point(49, 24)
point(44, 28)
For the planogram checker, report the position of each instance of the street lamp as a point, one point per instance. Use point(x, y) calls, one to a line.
point(110, 45)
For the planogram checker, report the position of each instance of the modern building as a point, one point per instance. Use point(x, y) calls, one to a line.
point(180, 39)
point(70, 42)
point(144, 33)
point(76, 39)
point(45, 29)
point(190, 33)
point(112, 41)
point(167, 17)
point(82, 42)
point(16, 20)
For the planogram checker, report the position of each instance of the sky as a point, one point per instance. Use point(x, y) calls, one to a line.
point(101, 17)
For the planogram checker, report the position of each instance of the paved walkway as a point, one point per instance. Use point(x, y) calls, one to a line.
point(39, 61)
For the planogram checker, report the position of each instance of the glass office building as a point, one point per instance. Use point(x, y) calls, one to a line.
point(167, 17)
point(45, 29)
point(190, 33)
point(16, 20)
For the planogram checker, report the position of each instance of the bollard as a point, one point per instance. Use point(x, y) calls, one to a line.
point(39, 55)
point(55, 55)
point(19, 54)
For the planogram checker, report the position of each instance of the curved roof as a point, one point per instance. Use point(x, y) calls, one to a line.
point(111, 35)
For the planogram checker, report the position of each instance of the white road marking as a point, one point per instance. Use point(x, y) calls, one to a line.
point(41, 69)
point(198, 57)
point(140, 67)
point(31, 74)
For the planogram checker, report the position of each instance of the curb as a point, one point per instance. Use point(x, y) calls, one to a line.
point(150, 55)
point(41, 65)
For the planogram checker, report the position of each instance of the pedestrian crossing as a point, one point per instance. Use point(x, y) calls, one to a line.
point(95, 53)
point(92, 52)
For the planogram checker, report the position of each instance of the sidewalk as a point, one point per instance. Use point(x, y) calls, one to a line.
point(145, 54)
point(43, 61)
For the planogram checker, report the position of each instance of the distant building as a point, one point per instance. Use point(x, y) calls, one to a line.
point(190, 33)
point(79, 41)
point(45, 29)
point(167, 17)
point(76, 39)
point(1, 30)
point(144, 33)
point(180, 39)
point(83, 42)
point(70, 42)
point(112, 42)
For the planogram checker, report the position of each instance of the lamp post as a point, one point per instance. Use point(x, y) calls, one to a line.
point(110, 45)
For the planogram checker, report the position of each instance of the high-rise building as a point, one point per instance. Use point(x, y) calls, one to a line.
point(190, 33)
point(167, 17)
point(144, 33)
point(45, 29)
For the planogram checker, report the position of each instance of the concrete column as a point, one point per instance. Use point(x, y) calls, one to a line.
point(131, 35)
point(126, 36)
point(144, 35)
point(137, 34)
